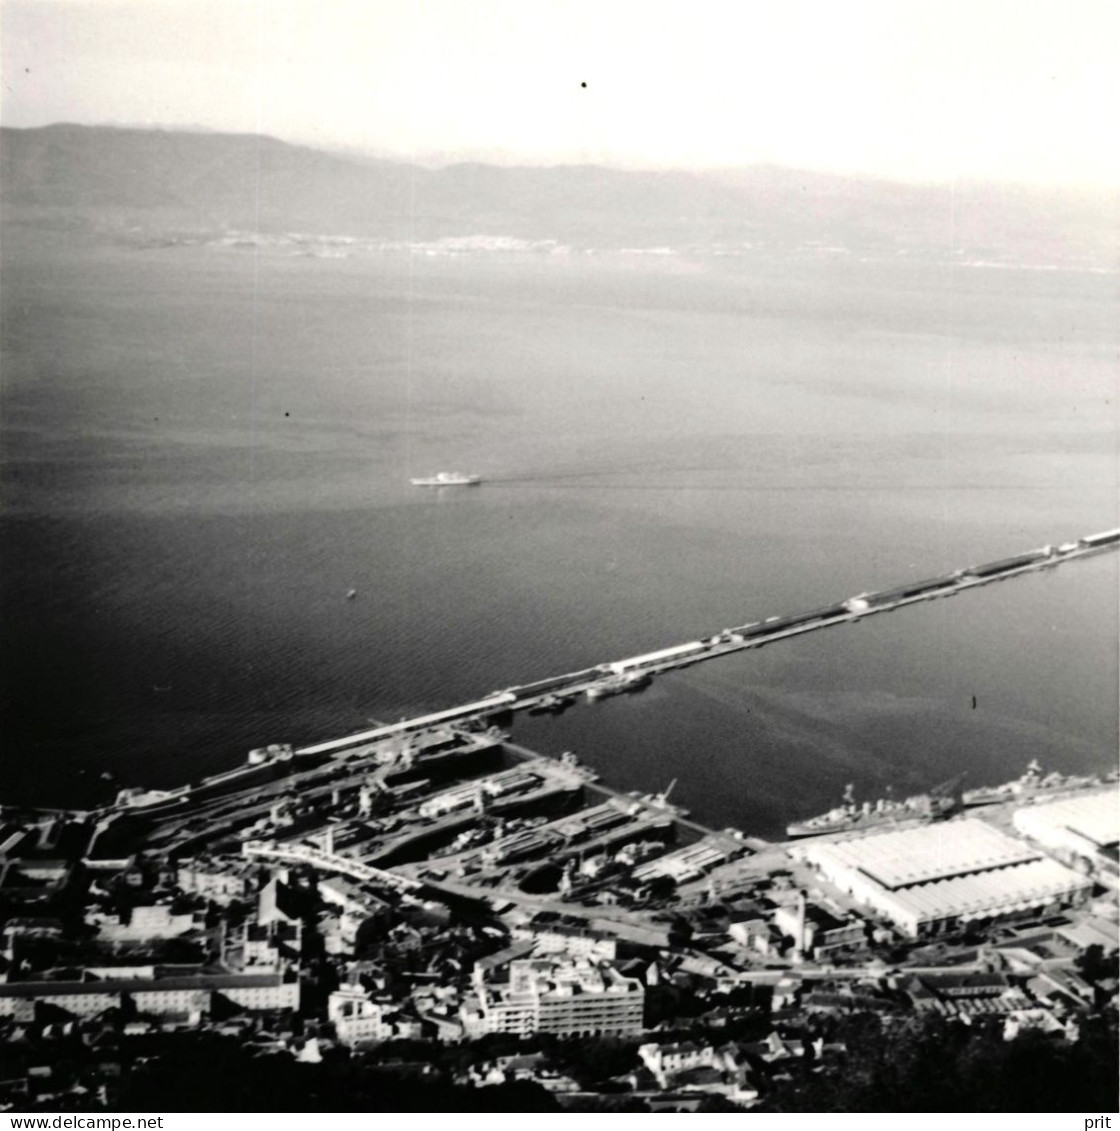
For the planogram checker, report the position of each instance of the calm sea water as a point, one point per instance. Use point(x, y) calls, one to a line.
point(205, 450)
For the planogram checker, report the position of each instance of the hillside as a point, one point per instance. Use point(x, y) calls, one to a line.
point(152, 181)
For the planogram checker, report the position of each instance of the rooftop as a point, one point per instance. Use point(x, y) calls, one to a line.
point(1095, 816)
point(139, 985)
point(920, 855)
point(981, 894)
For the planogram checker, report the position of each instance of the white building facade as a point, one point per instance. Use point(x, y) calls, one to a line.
point(546, 996)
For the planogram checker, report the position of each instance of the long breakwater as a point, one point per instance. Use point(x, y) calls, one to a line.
point(633, 673)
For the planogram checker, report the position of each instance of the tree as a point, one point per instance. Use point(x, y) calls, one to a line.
point(1094, 966)
point(934, 1064)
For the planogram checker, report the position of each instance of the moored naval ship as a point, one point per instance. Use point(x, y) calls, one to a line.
point(447, 479)
point(853, 817)
point(1032, 784)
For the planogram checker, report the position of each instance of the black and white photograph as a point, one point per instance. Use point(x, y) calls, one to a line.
point(559, 556)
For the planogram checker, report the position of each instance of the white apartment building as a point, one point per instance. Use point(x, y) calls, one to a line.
point(543, 995)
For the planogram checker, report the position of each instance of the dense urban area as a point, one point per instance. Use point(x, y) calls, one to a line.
point(435, 916)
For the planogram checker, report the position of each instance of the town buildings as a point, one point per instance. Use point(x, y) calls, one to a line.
point(359, 1018)
point(674, 951)
point(151, 995)
point(547, 995)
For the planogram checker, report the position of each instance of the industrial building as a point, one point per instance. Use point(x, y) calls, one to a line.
point(937, 877)
point(816, 931)
point(1082, 830)
point(477, 793)
point(592, 821)
point(688, 863)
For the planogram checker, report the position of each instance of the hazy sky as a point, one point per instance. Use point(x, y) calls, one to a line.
point(1015, 89)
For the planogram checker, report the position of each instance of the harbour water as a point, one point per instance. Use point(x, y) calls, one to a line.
point(205, 451)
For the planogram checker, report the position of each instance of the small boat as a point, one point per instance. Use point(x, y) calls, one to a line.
point(351, 594)
point(550, 705)
point(447, 479)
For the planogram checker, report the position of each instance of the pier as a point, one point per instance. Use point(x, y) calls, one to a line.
point(278, 774)
point(633, 673)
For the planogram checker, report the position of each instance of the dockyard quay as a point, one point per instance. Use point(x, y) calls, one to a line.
point(435, 889)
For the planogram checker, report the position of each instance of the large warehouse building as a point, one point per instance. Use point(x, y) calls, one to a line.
point(937, 877)
point(1082, 830)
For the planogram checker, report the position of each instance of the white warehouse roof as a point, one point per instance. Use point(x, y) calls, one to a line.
point(656, 657)
point(926, 853)
point(1093, 816)
point(985, 894)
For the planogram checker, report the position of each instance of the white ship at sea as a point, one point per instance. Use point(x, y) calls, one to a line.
point(447, 479)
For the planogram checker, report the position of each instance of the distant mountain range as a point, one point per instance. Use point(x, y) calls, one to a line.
point(111, 178)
